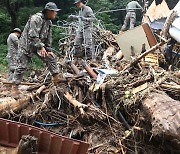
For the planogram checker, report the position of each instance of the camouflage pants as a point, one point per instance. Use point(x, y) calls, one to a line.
point(11, 66)
point(24, 60)
point(11, 70)
point(85, 39)
point(130, 16)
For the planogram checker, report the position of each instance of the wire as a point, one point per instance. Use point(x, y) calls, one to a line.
point(116, 10)
point(47, 124)
point(59, 106)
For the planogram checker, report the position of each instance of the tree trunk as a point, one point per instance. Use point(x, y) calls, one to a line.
point(8, 104)
point(164, 114)
point(13, 20)
point(12, 9)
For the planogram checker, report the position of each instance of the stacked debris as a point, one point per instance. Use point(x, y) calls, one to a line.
point(116, 105)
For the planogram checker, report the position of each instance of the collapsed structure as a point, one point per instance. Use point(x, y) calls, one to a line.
point(116, 104)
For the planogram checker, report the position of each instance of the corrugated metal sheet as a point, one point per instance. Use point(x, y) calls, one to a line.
point(48, 142)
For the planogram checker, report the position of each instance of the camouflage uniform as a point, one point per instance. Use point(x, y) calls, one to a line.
point(12, 43)
point(84, 31)
point(36, 34)
point(131, 14)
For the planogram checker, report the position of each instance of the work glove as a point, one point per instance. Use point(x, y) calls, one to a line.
point(73, 17)
point(143, 11)
point(83, 18)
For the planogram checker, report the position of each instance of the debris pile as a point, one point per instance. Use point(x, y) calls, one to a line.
point(115, 105)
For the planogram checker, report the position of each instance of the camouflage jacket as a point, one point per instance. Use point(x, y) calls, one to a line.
point(12, 43)
point(86, 12)
point(132, 6)
point(36, 34)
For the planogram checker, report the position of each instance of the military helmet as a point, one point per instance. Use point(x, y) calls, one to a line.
point(51, 6)
point(16, 30)
point(77, 1)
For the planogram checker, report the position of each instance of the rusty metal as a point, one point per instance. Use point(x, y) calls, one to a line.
point(150, 36)
point(48, 142)
point(89, 70)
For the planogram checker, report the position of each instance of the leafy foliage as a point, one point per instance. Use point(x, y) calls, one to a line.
point(15, 13)
point(3, 53)
point(4, 26)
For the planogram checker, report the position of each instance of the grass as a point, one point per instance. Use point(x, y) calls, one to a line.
point(3, 69)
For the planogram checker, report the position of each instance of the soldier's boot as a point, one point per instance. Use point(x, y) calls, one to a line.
point(15, 91)
point(56, 78)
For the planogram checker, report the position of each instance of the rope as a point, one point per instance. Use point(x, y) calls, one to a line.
point(116, 10)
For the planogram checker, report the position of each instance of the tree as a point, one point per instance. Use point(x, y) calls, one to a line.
point(12, 7)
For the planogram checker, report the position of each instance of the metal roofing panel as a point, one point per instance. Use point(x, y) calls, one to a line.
point(48, 142)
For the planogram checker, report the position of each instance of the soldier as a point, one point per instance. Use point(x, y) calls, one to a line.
point(131, 14)
point(84, 31)
point(12, 43)
point(36, 39)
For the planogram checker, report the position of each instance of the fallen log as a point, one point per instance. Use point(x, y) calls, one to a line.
point(9, 104)
point(164, 113)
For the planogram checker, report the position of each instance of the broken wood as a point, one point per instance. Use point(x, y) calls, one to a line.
point(140, 88)
point(172, 87)
point(140, 82)
point(75, 103)
point(119, 55)
point(135, 61)
point(9, 105)
point(40, 89)
point(95, 147)
point(22, 83)
point(167, 24)
point(75, 69)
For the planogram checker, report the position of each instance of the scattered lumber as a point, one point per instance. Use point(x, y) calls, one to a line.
point(110, 117)
point(136, 60)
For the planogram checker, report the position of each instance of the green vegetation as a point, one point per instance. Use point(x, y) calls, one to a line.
point(3, 53)
point(15, 13)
